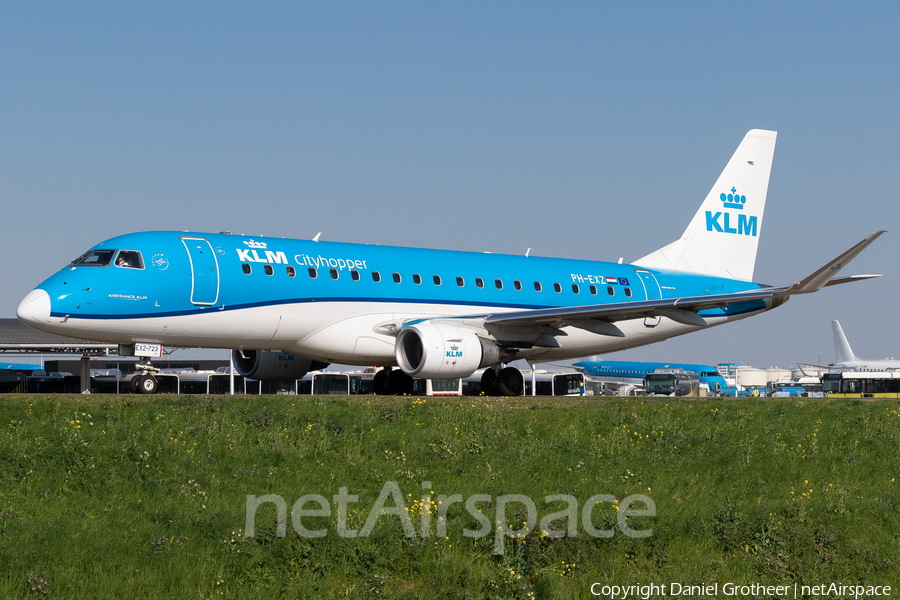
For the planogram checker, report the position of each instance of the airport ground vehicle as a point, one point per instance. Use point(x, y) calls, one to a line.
point(862, 384)
point(672, 382)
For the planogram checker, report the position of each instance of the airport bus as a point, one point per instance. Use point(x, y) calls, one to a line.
point(672, 382)
point(437, 387)
point(325, 383)
point(556, 384)
point(862, 384)
point(547, 384)
point(807, 387)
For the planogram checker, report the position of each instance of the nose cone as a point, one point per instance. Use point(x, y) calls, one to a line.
point(34, 309)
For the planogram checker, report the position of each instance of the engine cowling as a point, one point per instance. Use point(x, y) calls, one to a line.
point(269, 365)
point(437, 351)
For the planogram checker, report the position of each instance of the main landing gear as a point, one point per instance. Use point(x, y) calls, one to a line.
point(392, 382)
point(502, 382)
point(145, 383)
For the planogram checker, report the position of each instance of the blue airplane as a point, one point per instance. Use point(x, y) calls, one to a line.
point(18, 367)
point(631, 374)
point(286, 306)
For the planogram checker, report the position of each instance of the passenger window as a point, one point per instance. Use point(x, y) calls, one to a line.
point(417, 279)
point(537, 286)
point(593, 290)
point(557, 288)
point(460, 281)
point(376, 276)
point(628, 292)
point(291, 271)
point(247, 268)
point(396, 277)
point(269, 270)
point(499, 284)
point(575, 289)
point(437, 280)
point(334, 273)
point(354, 274)
point(610, 290)
point(518, 285)
point(479, 282)
point(130, 259)
point(312, 273)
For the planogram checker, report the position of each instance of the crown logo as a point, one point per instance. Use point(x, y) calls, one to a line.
point(733, 200)
point(454, 347)
point(252, 244)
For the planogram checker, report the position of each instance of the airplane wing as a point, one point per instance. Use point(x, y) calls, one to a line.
point(600, 318)
point(814, 365)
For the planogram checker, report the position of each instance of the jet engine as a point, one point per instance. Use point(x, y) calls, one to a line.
point(269, 365)
point(438, 351)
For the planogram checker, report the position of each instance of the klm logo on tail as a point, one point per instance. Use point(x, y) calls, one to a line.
point(745, 225)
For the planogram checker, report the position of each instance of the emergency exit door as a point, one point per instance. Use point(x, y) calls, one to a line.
point(651, 288)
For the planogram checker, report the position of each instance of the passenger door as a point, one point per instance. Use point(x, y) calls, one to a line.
point(204, 271)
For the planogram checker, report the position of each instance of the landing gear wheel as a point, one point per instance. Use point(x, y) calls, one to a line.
point(379, 383)
point(399, 383)
point(511, 382)
point(489, 383)
point(147, 384)
point(134, 384)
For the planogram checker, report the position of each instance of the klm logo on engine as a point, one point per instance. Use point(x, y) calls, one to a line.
point(745, 225)
point(454, 352)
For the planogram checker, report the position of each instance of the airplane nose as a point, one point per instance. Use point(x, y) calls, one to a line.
point(34, 309)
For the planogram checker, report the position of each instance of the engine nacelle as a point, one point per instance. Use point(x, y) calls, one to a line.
point(437, 351)
point(268, 365)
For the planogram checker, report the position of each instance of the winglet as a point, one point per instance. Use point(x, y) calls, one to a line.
point(819, 279)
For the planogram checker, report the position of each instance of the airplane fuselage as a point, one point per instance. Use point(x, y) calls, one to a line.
point(328, 300)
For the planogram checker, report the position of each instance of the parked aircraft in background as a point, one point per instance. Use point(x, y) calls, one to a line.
point(846, 360)
point(289, 306)
point(18, 367)
point(630, 374)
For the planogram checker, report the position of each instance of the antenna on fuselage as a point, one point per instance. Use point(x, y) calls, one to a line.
point(527, 252)
point(316, 239)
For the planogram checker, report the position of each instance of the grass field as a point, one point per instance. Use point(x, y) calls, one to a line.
point(130, 497)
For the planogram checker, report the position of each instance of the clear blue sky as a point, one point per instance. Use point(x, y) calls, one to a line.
point(584, 129)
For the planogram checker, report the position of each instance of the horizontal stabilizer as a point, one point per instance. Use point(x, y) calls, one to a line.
point(850, 279)
point(820, 278)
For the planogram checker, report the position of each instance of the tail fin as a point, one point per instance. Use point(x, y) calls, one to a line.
point(842, 351)
point(723, 236)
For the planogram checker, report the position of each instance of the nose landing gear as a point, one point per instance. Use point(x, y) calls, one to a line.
point(145, 383)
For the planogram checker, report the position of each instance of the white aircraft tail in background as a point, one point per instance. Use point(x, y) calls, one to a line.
point(846, 360)
point(843, 353)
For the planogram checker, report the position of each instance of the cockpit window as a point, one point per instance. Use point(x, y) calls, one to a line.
point(94, 258)
point(130, 259)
